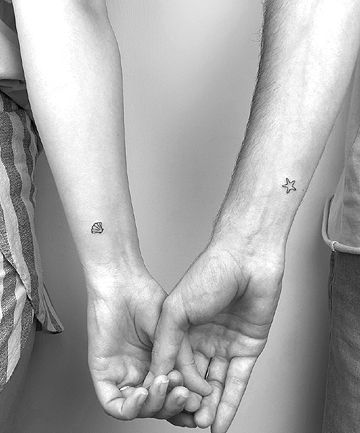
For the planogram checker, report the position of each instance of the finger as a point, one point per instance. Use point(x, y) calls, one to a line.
point(174, 403)
point(149, 379)
point(175, 379)
point(156, 396)
point(169, 335)
point(131, 406)
point(193, 403)
point(116, 405)
point(183, 420)
point(126, 391)
point(236, 381)
point(193, 380)
point(202, 363)
point(216, 377)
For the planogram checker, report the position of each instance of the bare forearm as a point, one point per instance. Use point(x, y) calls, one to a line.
point(309, 52)
point(73, 72)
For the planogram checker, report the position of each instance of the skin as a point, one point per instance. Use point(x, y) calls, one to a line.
point(226, 301)
point(120, 353)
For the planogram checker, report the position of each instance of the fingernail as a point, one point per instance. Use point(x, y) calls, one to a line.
point(148, 380)
point(141, 398)
point(163, 386)
point(124, 388)
point(180, 399)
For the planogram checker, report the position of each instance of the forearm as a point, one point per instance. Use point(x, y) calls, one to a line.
point(309, 52)
point(73, 72)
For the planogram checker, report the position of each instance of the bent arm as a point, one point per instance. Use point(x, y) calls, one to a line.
point(73, 73)
point(308, 55)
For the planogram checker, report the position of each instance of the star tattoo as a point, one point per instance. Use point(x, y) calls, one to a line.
point(289, 185)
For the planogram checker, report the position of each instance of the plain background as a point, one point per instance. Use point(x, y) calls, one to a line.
point(189, 72)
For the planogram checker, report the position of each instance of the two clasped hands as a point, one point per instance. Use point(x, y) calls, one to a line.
point(185, 357)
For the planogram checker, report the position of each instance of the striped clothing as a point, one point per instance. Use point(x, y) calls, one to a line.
point(22, 292)
point(17, 316)
point(12, 81)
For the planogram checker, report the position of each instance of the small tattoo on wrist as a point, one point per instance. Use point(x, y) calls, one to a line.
point(289, 185)
point(97, 228)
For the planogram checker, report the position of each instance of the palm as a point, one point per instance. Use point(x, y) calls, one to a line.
point(240, 329)
point(226, 336)
point(228, 306)
point(230, 339)
point(120, 329)
point(121, 350)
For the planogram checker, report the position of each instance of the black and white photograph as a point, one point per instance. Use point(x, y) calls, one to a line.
point(179, 216)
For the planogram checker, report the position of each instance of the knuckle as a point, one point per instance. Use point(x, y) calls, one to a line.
point(187, 364)
point(216, 384)
point(229, 404)
point(235, 380)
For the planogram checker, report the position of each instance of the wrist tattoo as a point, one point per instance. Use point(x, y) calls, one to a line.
point(97, 228)
point(289, 185)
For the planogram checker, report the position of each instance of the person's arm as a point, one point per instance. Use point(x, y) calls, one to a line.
point(227, 299)
point(74, 80)
point(308, 56)
point(73, 72)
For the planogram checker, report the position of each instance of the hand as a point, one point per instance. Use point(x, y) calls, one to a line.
point(226, 303)
point(122, 316)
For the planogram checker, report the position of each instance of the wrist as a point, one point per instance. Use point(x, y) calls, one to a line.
point(254, 233)
point(116, 274)
point(258, 213)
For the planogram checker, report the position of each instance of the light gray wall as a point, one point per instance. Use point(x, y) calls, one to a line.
point(189, 70)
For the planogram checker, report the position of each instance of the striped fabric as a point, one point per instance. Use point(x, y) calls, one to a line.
point(12, 81)
point(17, 316)
point(22, 291)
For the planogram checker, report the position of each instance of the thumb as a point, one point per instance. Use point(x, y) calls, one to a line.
point(169, 334)
point(171, 346)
